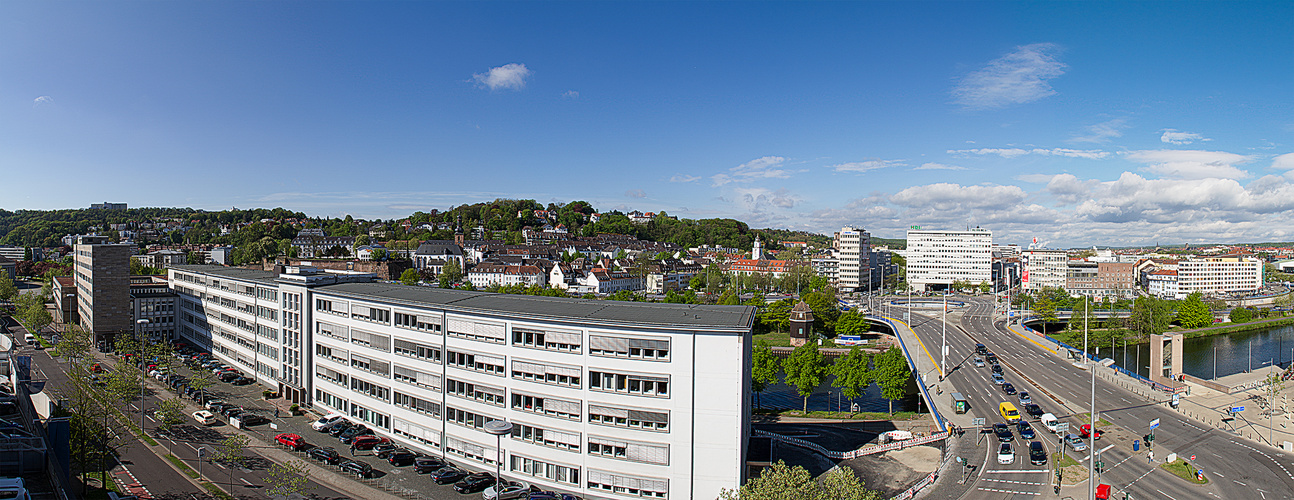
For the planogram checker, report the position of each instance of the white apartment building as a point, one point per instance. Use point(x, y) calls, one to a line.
point(608, 400)
point(1219, 275)
point(1044, 269)
point(1163, 284)
point(938, 258)
point(854, 250)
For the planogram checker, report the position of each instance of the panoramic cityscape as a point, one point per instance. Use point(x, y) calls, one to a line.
point(609, 250)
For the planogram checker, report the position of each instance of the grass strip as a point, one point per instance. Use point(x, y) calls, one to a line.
point(216, 491)
point(1183, 470)
point(1063, 460)
point(183, 466)
point(840, 415)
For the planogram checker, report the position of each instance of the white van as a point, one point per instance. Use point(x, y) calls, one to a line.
point(1049, 421)
point(31, 339)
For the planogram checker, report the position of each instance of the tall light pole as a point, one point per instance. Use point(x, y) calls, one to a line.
point(943, 338)
point(143, 375)
point(1091, 416)
point(498, 428)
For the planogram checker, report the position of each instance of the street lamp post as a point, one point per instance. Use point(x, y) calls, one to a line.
point(943, 339)
point(498, 428)
point(1091, 415)
point(143, 375)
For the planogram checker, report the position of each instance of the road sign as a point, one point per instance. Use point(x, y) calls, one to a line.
point(977, 421)
point(1154, 424)
point(1062, 428)
point(1237, 409)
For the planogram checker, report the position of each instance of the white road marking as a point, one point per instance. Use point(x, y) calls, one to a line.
point(1161, 492)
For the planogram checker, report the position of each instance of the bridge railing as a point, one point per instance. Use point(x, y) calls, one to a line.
point(925, 394)
point(1094, 359)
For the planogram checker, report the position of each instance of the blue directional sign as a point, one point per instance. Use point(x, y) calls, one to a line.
point(1237, 409)
point(1154, 424)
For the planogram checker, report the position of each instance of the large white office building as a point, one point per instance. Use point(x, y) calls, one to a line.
point(1213, 276)
point(937, 258)
point(854, 251)
point(607, 399)
point(1044, 268)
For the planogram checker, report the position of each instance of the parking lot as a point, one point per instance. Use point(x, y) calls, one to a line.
point(400, 481)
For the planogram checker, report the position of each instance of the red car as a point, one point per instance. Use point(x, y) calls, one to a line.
point(291, 441)
point(367, 442)
point(1086, 429)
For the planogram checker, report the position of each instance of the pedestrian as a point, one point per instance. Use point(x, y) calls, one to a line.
point(1150, 457)
point(276, 411)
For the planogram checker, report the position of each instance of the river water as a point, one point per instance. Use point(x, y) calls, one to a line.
point(1227, 354)
point(827, 398)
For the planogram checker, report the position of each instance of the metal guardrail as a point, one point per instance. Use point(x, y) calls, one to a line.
point(934, 409)
point(1120, 369)
point(846, 455)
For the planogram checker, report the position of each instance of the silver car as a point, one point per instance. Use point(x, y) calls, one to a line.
point(1075, 443)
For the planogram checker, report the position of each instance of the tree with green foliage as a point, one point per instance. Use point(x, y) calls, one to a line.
point(776, 316)
point(7, 288)
point(1193, 312)
point(784, 482)
point(853, 373)
point(450, 273)
point(825, 311)
point(31, 311)
point(363, 240)
point(287, 480)
point(985, 287)
point(1045, 308)
point(409, 277)
point(804, 370)
point(729, 298)
point(200, 381)
point(1150, 316)
point(892, 375)
point(170, 412)
point(232, 453)
point(126, 344)
point(764, 367)
point(852, 323)
point(1241, 315)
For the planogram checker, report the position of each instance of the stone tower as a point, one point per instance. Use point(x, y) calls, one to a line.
point(801, 324)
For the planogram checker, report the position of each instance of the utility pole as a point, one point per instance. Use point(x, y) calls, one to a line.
point(1091, 416)
point(943, 339)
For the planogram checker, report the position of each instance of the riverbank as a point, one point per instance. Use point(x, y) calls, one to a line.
point(1102, 336)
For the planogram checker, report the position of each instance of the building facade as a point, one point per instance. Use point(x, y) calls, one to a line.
point(153, 307)
point(608, 400)
point(102, 272)
point(1045, 268)
point(1214, 276)
point(936, 259)
point(854, 247)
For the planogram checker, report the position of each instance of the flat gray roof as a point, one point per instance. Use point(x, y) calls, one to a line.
point(238, 273)
point(644, 313)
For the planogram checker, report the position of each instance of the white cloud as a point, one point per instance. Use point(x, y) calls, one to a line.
point(1102, 132)
point(42, 100)
point(1091, 154)
point(684, 178)
point(1015, 78)
point(571, 94)
point(636, 193)
point(1283, 162)
point(759, 168)
point(1175, 137)
point(1191, 164)
point(945, 196)
point(1186, 201)
point(511, 76)
point(866, 165)
point(938, 166)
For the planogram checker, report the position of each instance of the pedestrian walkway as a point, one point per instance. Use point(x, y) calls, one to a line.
point(1257, 421)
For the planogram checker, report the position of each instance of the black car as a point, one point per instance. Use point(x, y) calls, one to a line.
point(401, 458)
point(1033, 409)
point(243, 381)
point(340, 427)
point(1026, 432)
point(229, 376)
point(474, 483)
point(1037, 455)
point(1003, 433)
point(980, 349)
point(360, 469)
point(350, 434)
point(991, 358)
point(231, 410)
point(448, 475)
point(1008, 388)
point(423, 465)
point(247, 419)
point(996, 368)
point(325, 455)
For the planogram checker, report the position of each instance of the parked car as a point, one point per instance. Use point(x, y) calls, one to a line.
point(243, 381)
point(360, 469)
point(204, 417)
point(401, 458)
point(366, 442)
point(325, 454)
point(247, 419)
point(327, 421)
point(1037, 455)
point(1026, 432)
point(1075, 443)
point(448, 475)
point(381, 450)
point(350, 434)
point(1086, 429)
point(1008, 388)
point(424, 465)
point(474, 483)
point(216, 404)
point(340, 427)
point(291, 441)
point(1005, 455)
point(509, 491)
point(1003, 432)
point(229, 376)
point(231, 410)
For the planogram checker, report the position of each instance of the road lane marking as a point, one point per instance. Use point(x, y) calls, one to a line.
point(1020, 471)
point(1161, 492)
point(1011, 492)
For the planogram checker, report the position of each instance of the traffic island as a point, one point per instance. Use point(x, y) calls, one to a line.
point(1071, 472)
point(1183, 469)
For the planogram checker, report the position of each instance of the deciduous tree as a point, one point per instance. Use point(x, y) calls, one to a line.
point(409, 277)
point(892, 374)
point(852, 372)
point(1193, 312)
point(764, 367)
point(784, 482)
point(805, 370)
point(286, 480)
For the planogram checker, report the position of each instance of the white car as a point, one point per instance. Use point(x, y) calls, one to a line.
point(1005, 455)
point(511, 491)
point(13, 489)
point(326, 422)
point(204, 417)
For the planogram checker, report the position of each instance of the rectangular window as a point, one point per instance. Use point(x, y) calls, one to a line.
point(632, 348)
point(543, 469)
point(370, 365)
point(415, 432)
point(477, 330)
point(330, 400)
point(627, 485)
point(417, 404)
point(371, 340)
point(487, 394)
point(416, 350)
point(416, 377)
point(467, 418)
point(420, 322)
point(370, 416)
point(624, 417)
point(546, 405)
point(567, 341)
point(370, 389)
point(339, 332)
point(642, 385)
point(568, 376)
point(484, 363)
point(546, 437)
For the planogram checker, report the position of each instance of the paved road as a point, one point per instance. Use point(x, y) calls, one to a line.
point(1236, 468)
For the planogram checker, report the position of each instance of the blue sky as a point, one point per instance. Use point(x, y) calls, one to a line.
point(1080, 123)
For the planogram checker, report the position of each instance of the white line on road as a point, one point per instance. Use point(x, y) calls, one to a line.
point(246, 482)
point(1024, 471)
point(1161, 492)
point(1239, 483)
point(1012, 492)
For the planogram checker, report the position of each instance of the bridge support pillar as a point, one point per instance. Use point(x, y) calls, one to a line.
point(1166, 358)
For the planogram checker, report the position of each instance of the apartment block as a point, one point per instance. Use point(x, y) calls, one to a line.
point(608, 400)
point(854, 252)
point(938, 258)
point(1044, 268)
point(1213, 276)
point(102, 272)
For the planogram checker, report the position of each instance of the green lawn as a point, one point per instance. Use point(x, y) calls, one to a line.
point(1063, 460)
point(775, 339)
point(1183, 470)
